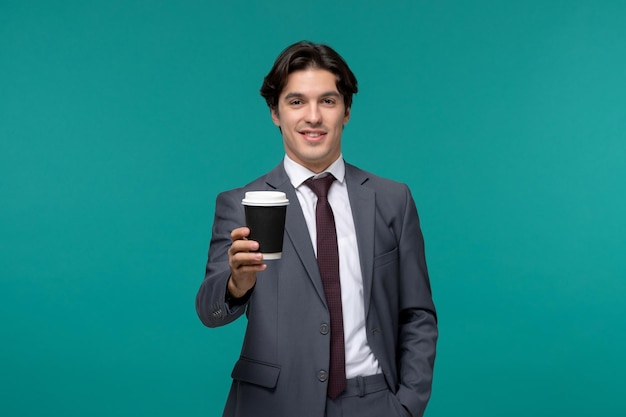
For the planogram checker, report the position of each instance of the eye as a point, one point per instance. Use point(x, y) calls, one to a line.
point(295, 102)
point(329, 101)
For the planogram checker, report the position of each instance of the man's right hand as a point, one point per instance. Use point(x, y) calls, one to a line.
point(244, 264)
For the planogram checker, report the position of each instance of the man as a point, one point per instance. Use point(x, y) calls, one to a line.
point(340, 327)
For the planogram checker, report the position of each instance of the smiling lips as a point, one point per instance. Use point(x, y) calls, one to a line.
point(313, 135)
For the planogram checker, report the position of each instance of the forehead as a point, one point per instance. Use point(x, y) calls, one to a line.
point(310, 81)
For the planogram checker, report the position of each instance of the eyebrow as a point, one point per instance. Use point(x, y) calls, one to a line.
point(326, 94)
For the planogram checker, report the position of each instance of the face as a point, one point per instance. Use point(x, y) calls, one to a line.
point(311, 114)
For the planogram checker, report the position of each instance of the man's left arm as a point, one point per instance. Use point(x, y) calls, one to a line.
point(417, 337)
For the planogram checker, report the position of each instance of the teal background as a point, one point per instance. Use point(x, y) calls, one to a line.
point(120, 121)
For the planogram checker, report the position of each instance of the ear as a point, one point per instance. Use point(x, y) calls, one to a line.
point(346, 116)
point(275, 118)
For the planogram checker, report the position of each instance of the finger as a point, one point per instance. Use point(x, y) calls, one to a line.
point(243, 246)
point(249, 269)
point(242, 259)
point(239, 233)
point(243, 269)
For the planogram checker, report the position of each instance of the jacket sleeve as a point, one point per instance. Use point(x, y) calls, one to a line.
point(417, 337)
point(212, 305)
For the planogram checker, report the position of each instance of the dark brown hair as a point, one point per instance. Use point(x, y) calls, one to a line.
point(303, 55)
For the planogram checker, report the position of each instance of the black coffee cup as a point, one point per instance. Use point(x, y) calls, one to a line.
point(265, 217)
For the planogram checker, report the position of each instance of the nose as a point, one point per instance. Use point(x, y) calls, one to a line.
point(313, 115)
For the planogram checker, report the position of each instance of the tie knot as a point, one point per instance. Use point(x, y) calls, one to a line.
point(320, 186)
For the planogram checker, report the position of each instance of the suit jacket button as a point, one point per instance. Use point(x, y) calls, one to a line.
point(324, 328)
point(322, 376)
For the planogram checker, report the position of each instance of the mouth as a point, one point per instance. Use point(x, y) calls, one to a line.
point(313, 135)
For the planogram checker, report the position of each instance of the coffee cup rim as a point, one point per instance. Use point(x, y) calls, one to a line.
point(265, 198)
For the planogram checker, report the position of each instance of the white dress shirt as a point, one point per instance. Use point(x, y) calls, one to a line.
point(360, 360)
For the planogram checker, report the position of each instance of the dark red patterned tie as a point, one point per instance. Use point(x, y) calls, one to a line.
point(328, 262)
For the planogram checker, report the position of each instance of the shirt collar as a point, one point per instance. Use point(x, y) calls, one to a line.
point(298, 174)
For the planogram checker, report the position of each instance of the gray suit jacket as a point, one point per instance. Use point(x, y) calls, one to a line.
point(286, 345)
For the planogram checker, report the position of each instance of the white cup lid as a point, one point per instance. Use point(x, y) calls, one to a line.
point(265, 198)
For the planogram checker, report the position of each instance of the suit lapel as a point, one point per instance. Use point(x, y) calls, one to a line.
point(363, 204)
point(295, 227)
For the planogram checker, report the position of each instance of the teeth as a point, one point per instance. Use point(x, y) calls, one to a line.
point(313, 135)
